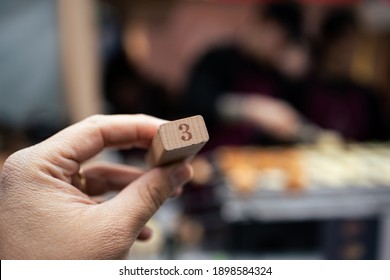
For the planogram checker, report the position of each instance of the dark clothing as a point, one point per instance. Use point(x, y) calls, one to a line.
point(229, 70)
point(344, 106)
point(130, 92)
point(341, 105)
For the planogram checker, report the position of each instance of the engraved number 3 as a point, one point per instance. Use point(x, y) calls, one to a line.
point(186, 134)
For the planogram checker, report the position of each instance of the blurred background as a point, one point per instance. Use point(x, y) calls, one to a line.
point(295, 95)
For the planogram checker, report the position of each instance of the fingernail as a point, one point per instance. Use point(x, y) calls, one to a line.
point(180, 175)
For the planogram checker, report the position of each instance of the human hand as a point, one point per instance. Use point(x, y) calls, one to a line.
point(273, 116)
point(43, 215)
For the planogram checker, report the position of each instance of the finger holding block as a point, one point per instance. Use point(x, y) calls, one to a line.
point(178, 140)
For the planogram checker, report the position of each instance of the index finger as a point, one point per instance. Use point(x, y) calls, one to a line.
point(87, 138)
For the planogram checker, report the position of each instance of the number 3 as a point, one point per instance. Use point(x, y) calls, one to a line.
point(186, 134)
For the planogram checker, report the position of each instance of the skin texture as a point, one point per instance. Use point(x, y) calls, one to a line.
point(43, 215)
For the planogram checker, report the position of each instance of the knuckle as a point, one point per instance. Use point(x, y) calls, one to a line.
point(15, 158)
point(15, 167)
point(94, 119)
point(16, 161)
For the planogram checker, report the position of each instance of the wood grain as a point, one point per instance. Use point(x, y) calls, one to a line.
point(177, 140)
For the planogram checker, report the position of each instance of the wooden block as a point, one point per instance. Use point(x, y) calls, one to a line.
point(177, 140)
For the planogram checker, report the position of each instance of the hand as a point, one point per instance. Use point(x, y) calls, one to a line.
point(269, 114)
point(44, 216)
point(272, 115)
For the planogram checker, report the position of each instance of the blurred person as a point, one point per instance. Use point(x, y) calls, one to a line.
point(129, 91)
point(238, 88)
point(128, 85)
point(333, 100)
point(50, 208)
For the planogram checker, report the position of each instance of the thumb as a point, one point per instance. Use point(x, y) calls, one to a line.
point(140, 200)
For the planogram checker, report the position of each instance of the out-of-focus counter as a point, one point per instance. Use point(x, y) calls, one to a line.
point(313, 204)
point(319, 182)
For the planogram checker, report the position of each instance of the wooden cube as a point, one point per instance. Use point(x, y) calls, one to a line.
point(177, 140)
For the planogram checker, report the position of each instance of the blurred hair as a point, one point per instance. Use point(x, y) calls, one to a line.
point(337, 24)
point(287, 14)
point(127, 9)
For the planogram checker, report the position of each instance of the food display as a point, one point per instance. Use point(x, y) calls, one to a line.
point(328, 164)
point(248, 168)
